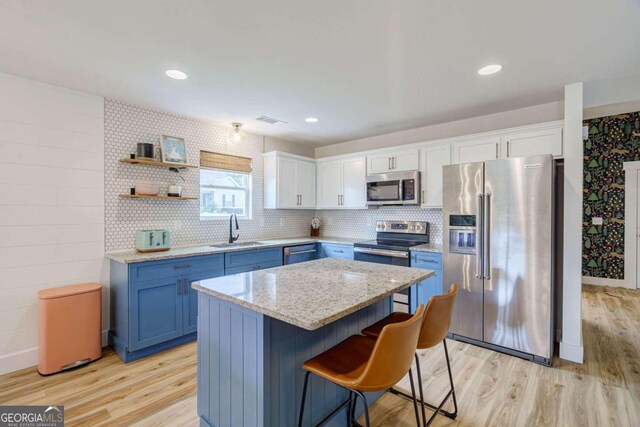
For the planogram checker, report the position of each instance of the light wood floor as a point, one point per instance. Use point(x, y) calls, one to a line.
point(493, 389)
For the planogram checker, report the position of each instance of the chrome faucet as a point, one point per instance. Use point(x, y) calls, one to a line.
point(233, 238)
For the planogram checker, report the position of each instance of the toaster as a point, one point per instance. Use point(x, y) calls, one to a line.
point(153, 240)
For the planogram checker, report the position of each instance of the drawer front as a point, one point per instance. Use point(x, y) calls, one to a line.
point(252, 257)
point(252, 267)
point(331, 250)
point(428, 260)
point(140, 271)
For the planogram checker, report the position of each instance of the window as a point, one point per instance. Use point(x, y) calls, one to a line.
point(223, 193)
point(225, 186)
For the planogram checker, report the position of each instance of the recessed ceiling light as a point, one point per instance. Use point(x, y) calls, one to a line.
point(311, 120)
point(176, 74)
point(489, 69)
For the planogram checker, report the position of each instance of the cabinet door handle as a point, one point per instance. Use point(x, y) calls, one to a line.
point(338, 200)
point(338, 251)
point(179, 286)
point(430, 261)
point(185, 284)
point(301, 200)
point(423, 201)
point(393, 162)
point(508, 148)
point(496, 150)
point(390, 163)
point(179, 266)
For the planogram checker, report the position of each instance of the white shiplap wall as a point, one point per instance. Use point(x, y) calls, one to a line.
point(51, 204)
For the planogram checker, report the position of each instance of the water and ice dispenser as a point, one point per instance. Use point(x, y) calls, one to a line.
point(462, 234)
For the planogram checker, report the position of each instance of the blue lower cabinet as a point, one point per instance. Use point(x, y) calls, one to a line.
point(159, 312)
point(251, 260)
point(423, 291)
point(155, 311)
point(335, 250)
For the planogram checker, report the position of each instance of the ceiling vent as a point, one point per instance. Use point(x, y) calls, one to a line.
point(271, 120)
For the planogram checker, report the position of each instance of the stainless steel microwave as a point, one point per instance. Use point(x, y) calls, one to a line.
point(394, 189)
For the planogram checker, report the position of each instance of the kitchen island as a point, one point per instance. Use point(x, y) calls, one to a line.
point(256, 329)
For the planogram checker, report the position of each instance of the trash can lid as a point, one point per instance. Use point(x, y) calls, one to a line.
point(69, 290)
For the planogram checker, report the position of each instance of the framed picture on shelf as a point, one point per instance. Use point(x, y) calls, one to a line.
point(173, 150)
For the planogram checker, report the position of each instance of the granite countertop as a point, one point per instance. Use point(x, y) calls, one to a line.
point(314, 293)
point(132, 256)
point(428, 247)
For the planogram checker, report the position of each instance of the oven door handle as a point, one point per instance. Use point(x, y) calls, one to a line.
point(382, 252)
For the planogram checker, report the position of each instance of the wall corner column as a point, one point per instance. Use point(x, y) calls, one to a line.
point(571, 347)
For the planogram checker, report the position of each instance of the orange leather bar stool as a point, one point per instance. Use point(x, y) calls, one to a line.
point(435, 325)
point(360, 364)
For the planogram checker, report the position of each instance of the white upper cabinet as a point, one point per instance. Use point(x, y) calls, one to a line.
point(289, 181)
point(478, 150)
point(393, 161)
point(532, 143)
point(432, 160)
point(306, 184)
point(342, 184)
point(354, 176)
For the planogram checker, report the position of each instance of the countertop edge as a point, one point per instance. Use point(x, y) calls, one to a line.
point(130, 257)
point(315, 325)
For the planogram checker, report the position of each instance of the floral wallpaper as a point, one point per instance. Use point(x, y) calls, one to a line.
point(612, 141)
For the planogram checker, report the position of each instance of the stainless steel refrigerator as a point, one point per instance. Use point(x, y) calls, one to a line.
point(499, 249)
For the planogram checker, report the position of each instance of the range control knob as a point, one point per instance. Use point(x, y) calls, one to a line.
point(418, 227)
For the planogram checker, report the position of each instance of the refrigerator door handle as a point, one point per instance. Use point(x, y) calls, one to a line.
point(486, 239)
point(479, 238)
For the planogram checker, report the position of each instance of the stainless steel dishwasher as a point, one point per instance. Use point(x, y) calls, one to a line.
point(299, 253)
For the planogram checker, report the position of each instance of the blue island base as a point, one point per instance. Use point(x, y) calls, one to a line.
point(249, 366)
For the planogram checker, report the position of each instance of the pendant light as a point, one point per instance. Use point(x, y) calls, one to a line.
point(237, 134)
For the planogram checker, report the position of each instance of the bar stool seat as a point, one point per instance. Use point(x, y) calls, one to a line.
point(373, 331)
point(344, 363)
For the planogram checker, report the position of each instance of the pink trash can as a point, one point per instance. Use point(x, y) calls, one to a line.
point(69, 327)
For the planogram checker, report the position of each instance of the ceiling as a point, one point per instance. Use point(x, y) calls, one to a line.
point(362, 67)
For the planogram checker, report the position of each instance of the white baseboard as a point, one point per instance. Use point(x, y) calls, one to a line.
point(572, 353)
point(27, 358)
point(599, 281)
point(18, 360)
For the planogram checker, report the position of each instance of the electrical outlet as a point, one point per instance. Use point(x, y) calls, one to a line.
point(282, 222)
point(261, 222)
point(596, 220)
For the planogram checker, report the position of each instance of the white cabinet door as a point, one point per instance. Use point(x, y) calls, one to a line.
point(379, 163)
point(433, 159)
point(354, 185)
point(394, 161)
point(306, 184)
point(329, 184)
point(286, 183)
point(476, 151)
point(532, 143)
point(405, 161)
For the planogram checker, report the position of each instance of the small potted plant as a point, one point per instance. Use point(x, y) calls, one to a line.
point(315, 227)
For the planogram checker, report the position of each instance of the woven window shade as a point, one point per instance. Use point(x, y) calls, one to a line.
point(225, 161)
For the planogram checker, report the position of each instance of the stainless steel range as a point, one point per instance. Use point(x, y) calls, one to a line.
point(393, 243)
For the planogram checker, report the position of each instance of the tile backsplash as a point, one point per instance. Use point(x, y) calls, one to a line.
point(125, 126)
point(361, 223)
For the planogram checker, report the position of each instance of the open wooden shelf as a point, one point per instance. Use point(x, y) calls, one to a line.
point(143, 196)
point(150, 162)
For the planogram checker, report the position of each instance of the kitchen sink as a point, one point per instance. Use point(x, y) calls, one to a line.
point(236, 245)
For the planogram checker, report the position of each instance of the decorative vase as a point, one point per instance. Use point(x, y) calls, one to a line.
point(315, 232)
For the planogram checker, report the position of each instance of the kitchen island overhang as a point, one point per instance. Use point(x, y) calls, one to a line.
point(256, 329)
